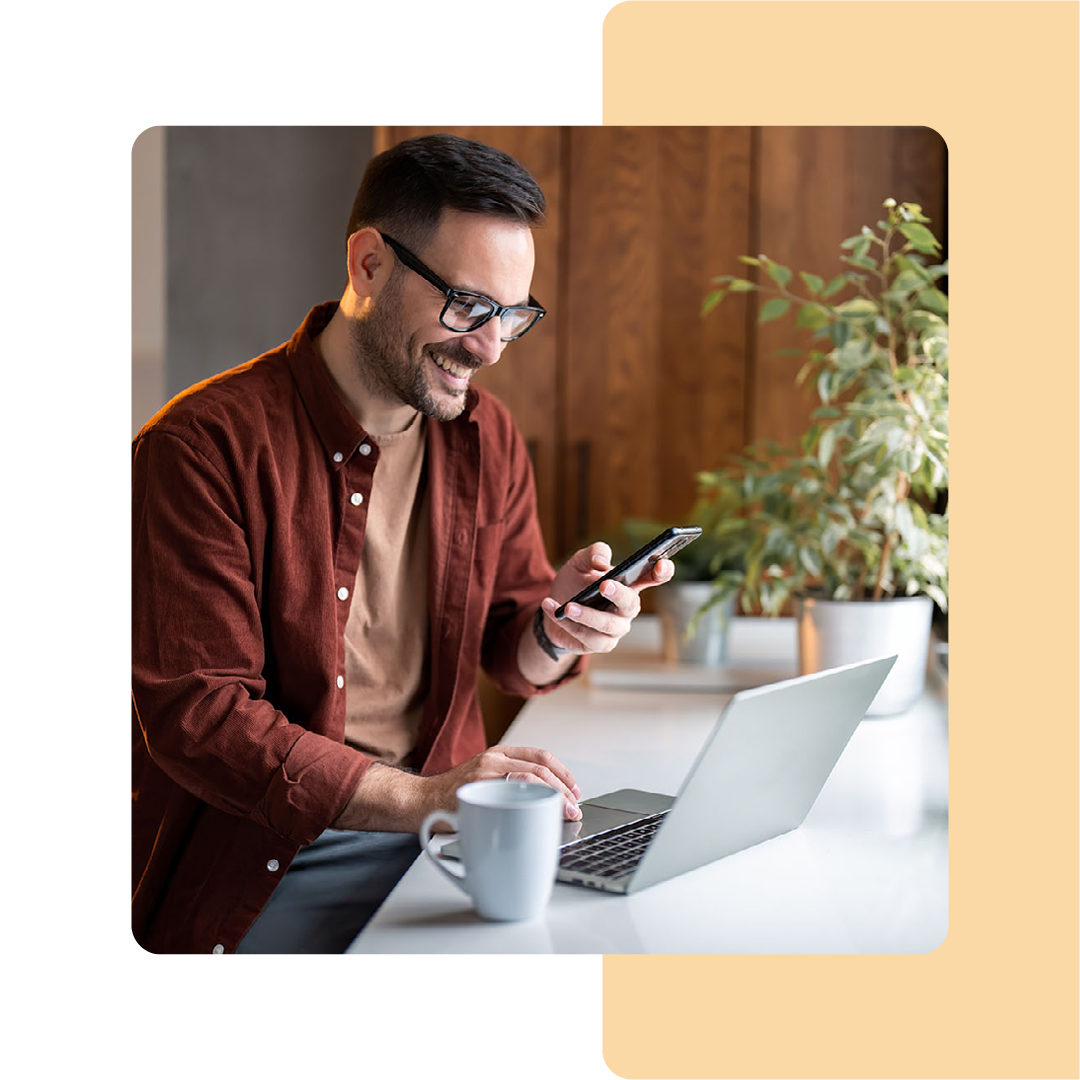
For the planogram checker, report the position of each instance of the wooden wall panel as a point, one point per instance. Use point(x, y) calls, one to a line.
point(524, 378)
point(702, 372)
point(815, 187)
point(651, 392)
point(612, 332)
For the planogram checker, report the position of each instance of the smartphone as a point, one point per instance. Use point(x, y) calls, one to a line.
point(629, 570)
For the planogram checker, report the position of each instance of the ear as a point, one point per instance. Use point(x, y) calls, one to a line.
point(369, 261)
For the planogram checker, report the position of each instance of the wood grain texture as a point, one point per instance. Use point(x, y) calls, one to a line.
point(654, 390)
point(817, 186)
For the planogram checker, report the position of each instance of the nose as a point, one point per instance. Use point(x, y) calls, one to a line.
point(484, 342)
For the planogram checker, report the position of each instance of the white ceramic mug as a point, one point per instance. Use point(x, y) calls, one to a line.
point(510, 834)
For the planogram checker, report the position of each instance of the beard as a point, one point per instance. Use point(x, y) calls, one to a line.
point(393, 365)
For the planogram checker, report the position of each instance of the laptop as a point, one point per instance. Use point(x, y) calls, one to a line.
point(757, 776)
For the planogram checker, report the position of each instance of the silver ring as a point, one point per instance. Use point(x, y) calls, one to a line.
point(507, 776)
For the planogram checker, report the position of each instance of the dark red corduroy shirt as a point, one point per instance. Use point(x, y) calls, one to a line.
point(245, 548)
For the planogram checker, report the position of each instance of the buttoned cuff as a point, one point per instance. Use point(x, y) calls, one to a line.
point(311, 788)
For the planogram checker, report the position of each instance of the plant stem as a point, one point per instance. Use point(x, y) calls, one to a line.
point(888, 315)
point(903, 486)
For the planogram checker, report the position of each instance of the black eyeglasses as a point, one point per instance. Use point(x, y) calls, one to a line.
point(465, 311)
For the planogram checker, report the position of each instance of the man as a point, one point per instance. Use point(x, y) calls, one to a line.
point(327, 542)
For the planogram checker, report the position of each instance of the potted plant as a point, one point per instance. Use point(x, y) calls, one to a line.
point(696, 605)
point(851, 525)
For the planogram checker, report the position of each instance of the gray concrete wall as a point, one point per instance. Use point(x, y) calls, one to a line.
point(255, 236)
point(147, 276)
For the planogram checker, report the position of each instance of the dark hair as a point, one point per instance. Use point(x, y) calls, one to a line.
point(405, 189)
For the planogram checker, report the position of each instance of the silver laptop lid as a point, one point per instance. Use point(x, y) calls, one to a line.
point(762, 767)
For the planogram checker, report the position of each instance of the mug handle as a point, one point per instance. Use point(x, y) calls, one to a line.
point(425, 839)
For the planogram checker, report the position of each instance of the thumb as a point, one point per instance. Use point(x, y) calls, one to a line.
point(594, 557)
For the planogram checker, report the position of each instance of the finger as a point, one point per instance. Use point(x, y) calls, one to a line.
point(532, 755)
point(624, 600)
point(614, 623)
point(586, 629)
point(601, 556)
point(662, 570)
point(571, 810)
point(594, 557)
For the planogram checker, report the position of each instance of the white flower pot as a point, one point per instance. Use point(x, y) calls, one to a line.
point(837, 632)
point(677, 602)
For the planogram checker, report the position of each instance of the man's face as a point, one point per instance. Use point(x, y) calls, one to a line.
point(404, 354)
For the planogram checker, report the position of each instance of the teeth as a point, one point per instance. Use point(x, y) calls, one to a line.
point(449, 365)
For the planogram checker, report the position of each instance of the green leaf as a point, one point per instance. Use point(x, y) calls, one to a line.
point(812, 282)
point(823, 385)
point(741, 285)
point(811, 561)
point(858, 309)
point(834, 286)
point(749, 260)
point(863, 260)
point(921, 237)
point(851, 241)
point(813, 316)
point(912, 266)
point(827, 412)
point(935, 300)
point(908, 280)
point(937, 596)
point(780, 274)
point(723, 279)
point(912, 211)
point(826, 445)
point(773, 309)
point(711, 301)
point(839, 332)
point(925, 321)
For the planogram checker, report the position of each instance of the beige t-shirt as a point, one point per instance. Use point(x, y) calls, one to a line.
point(387, 655)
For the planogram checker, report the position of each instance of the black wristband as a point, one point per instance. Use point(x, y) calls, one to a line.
point(543, 640)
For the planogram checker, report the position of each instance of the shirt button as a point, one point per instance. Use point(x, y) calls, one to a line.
point(365, 449)
point(272, 865)
point(343, 593)
point(340, 681)
point(218, 949)
point(356, 498)
point(339, 457)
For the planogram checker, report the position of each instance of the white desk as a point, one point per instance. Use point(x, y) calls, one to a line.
point(866, 873)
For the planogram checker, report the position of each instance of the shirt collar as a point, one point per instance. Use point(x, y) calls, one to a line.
point(337, 428)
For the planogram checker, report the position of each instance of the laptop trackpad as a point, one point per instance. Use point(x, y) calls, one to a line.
point(637, 802)
point(612, 810)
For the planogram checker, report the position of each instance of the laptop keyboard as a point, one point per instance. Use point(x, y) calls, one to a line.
point(612, 853)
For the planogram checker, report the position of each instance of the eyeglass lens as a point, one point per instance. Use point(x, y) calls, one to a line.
point(466, 312)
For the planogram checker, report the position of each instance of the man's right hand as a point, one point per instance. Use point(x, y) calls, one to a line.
point(389, 800)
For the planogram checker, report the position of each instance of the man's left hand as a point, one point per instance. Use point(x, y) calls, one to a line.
point(586, 629)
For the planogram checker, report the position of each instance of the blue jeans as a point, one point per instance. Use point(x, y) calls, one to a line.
point(330, 891)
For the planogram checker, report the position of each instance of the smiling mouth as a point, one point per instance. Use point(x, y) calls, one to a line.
point(457, 370)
